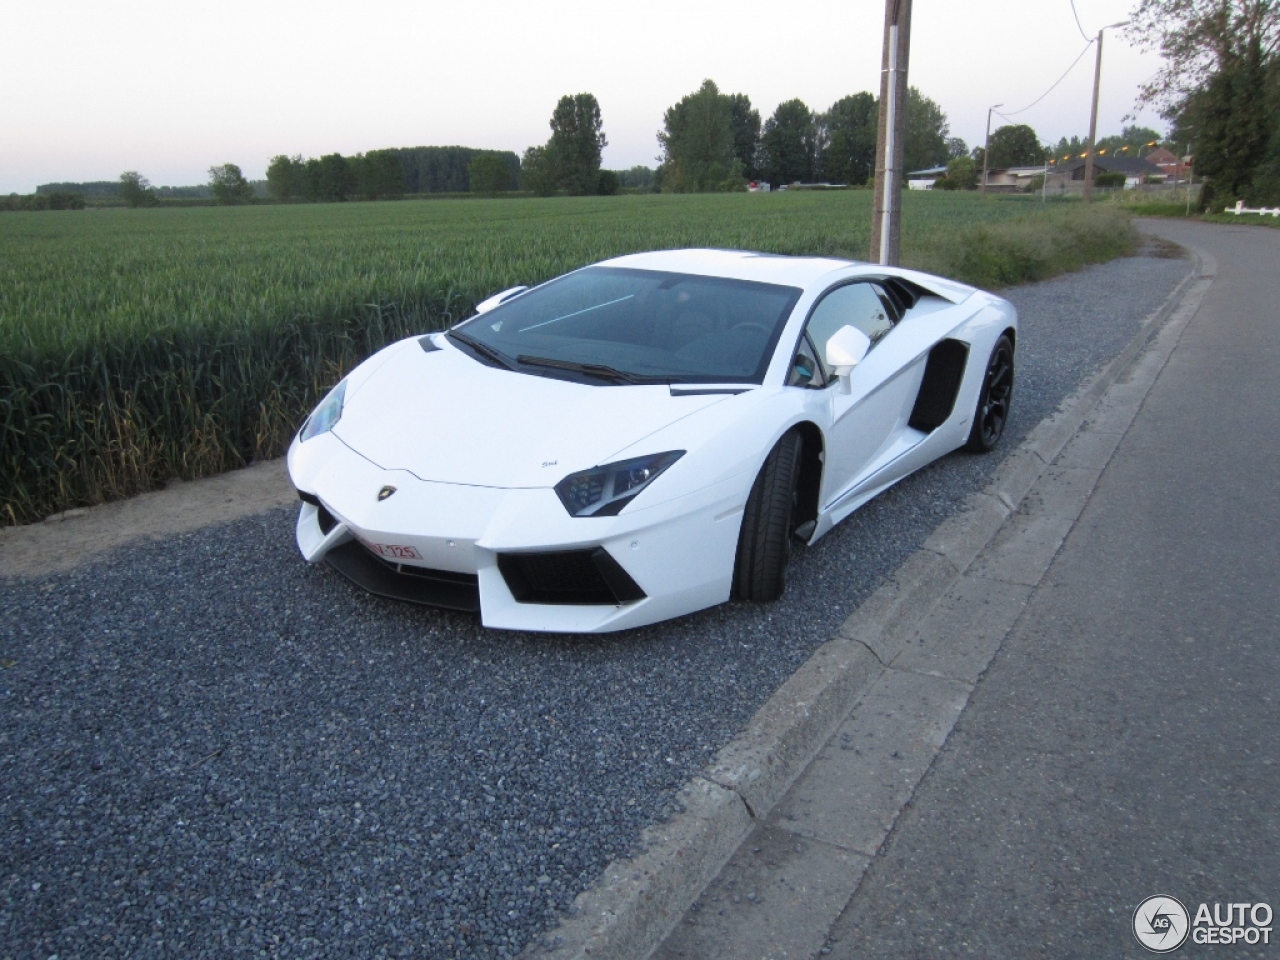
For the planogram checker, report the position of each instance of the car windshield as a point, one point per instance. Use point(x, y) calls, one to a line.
point(613, 325)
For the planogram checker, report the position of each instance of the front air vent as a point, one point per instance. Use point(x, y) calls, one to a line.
point(582, 577)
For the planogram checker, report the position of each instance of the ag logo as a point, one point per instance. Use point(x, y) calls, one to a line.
point(385, 492)
point(1161, 924)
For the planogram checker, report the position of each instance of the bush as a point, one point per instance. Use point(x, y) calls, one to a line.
point(1114, 179)
point(609, 184)
point(59, 200)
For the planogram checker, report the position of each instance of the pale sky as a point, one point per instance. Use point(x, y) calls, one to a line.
point(91, 88)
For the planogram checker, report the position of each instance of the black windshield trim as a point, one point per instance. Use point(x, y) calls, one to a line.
point(601, 371)
point(482, 351)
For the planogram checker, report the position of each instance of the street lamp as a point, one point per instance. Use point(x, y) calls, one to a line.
point(986, 149)
point(1093, 115)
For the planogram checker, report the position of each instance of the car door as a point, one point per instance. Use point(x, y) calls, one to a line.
point(863, 424)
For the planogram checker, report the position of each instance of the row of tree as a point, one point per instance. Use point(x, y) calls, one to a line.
point(717, 141)
point(51, 200)
point(388, 174)
point(1220, 86)
point(714, 141)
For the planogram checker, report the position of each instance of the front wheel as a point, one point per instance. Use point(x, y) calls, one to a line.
point(764, 544)
point(994, 401)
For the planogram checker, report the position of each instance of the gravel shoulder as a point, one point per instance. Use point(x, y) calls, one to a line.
point(210, 749)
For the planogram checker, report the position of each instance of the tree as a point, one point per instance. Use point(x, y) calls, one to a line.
point(229, 185)
point(538, 173)
point(962, 172)
point(849, 152)
point(637, 178)
point(1066, 151)
point(335, 180)
point(698, 144)
point(286, 178)
point(135, 189)
point(1220, 84)
point(1132, 141)
point(378, 175)
point(956, 147)
point(925, 139)
point(1015, 145)
point(489, 173)
point(745, 123)
point(577, 138)
point(789, 144)
point(609, 184)
point(311, 177)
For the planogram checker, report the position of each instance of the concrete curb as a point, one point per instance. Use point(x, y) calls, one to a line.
point(638, 900)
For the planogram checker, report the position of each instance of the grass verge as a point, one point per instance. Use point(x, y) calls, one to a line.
point(138, 346)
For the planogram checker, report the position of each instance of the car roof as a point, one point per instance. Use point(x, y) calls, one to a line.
point(802, 272)
point(736, 265)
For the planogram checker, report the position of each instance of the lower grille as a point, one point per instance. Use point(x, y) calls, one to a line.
point(586, 577)
point(432, 588)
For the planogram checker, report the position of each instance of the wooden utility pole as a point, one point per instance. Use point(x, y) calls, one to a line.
point(1093, 114)
point(887, 205)
point(1093, 124)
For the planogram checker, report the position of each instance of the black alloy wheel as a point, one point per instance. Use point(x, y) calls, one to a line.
point(995, 399)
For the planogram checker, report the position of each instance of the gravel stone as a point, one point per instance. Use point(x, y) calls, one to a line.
point(210, 749)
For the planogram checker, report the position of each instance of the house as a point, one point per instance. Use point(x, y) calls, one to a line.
point(1012, 179)
point(1135, 169)
point(1172, 166)
point(925, 179)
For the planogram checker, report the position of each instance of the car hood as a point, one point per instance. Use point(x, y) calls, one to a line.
point(445, 417)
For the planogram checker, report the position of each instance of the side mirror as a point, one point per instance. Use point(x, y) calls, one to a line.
point(845, 350)
point(486, 305)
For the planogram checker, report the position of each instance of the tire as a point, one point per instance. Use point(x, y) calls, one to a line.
point(764, 543)
point(994, 401)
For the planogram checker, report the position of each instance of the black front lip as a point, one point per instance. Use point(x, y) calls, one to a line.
point(432, 588)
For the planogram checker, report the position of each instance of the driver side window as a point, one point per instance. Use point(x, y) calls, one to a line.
point(860, 305)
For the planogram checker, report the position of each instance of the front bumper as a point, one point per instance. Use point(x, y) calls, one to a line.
point(514, 554)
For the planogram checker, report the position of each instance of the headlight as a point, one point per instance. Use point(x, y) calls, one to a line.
point(325, 416)
point(603, 491)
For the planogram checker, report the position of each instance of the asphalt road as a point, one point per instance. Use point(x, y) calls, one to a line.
point(1124, 742)
point(209, 749)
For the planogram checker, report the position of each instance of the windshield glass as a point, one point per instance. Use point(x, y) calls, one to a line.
point(614, 325)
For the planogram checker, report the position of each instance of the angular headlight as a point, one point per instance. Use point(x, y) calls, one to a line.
point(325, 416)
point(603, 491)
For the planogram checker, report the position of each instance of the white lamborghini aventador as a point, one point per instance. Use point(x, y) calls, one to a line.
point(644, 437)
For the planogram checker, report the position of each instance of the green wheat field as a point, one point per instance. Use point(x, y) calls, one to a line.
point(138, 346)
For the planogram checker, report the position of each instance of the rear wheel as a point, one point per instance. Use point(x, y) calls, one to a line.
point(764, 544)
point(994, 400)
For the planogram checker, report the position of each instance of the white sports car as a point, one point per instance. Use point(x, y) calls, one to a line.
point(646, 436)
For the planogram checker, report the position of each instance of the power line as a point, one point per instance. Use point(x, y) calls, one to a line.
point(1077, 16)
point(1014, 113)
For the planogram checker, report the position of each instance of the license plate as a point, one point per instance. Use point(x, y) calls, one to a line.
point(393, 551)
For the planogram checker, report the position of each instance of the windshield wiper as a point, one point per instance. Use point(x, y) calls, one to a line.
point(483, 349)
point(598, 370)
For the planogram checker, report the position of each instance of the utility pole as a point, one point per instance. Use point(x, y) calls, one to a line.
point(986, 150)
point(1093, 115)
point(887, 205)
